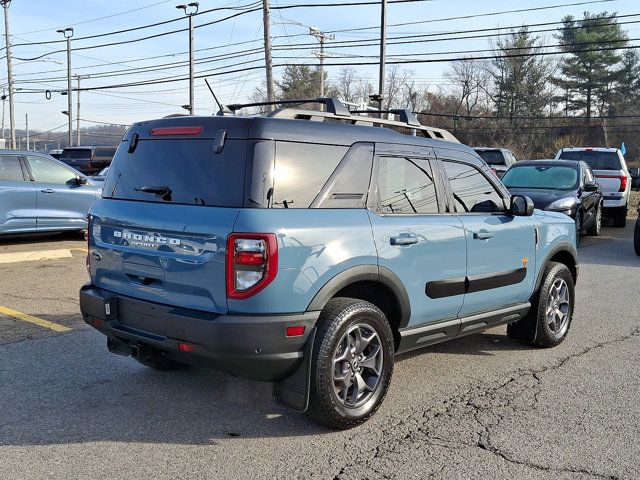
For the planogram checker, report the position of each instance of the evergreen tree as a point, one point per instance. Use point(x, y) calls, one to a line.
point(299, 81)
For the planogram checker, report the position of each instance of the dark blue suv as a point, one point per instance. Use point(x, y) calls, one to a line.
point(307, 248)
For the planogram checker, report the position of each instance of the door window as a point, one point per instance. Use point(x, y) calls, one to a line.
point(48, 172)
point(472, 192)
point(10, 168)
point(405, 185)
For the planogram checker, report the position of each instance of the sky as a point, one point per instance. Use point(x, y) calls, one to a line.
point(242, 38)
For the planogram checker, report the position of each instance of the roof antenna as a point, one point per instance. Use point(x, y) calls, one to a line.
point(223, 108)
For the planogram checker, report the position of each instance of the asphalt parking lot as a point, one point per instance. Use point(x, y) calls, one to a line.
point(479, 407)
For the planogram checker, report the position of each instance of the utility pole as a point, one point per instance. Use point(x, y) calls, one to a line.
point(26, 124)
point(268, 62)
point(12, 123)
point(322, 37)
point(383, 51)
point(190, 10)
point(78, 77)
point(4, 97)
point(68, 33)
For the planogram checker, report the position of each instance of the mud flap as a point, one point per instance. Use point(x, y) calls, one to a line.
point(293, 391)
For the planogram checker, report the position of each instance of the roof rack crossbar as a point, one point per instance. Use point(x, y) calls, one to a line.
point(333, 105)
point(404, 115)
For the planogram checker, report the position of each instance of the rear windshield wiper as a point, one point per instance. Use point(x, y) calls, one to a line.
point(162, 190)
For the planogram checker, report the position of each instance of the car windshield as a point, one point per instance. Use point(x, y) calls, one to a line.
point(492, 157)
point(596, 160)
point(76, 153)
point(551, 177)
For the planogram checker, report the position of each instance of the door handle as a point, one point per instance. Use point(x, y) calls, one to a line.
point(482, 235)
point(47, 190)
point(404, 240)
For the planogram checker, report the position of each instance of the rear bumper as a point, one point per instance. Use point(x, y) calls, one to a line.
point(250, 346)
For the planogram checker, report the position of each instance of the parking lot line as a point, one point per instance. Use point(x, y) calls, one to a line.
point(36, 255)
point(56, 327)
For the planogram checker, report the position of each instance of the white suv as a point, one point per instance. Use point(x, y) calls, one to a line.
point(612, 174)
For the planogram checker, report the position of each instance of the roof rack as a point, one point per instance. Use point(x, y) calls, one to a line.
point(335, 109)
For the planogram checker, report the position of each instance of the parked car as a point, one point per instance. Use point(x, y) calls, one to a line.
point(612, 175)
point(55, 153)
point(101, 176)
point(39, 193)
point(635, 177)
point(562, 186)
point(309, 253)
point(636, 234)
point(499, 159)
point(88, 160)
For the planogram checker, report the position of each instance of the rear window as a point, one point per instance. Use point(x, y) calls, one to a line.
point(492, 157)
point(179, 171)
point(596, 160)
point(76, 153)
point(105, 152)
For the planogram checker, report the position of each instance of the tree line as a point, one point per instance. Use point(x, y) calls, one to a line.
point(531, 97)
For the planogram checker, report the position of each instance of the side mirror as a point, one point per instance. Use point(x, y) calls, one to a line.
point(81, 180)
point(591, 187)
point(521, 206)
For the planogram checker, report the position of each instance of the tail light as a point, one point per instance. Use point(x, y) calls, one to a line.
point(252, 263)
point(623, 180)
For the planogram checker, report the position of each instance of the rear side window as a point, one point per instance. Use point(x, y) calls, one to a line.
point(301, 170)
point(76, 153)
point(492, 157)
point(405, 185)
point(596, 160)
point(472, 192)
point(184, 171)
point(10, 168)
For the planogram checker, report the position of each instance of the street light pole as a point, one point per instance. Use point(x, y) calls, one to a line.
point(383, 51)
point(321, 37)
point(12, 123)
point(68, 33)
point(190, 10)
point(78, 77)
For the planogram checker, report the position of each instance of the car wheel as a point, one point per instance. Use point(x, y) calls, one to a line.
point(351, 363)
point(594, 230)
point(636, 237)
point(548, 321)
point(578, 221)
point(620, 218)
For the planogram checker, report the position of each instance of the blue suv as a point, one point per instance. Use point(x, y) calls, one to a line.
point(308, 248)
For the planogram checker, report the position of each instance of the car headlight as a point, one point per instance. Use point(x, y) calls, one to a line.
point(562, 204)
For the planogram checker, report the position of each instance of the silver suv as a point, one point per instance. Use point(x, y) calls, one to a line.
point(612, 174)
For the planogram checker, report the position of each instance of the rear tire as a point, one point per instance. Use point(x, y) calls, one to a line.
point(547, 323)
point(594, 230)
point(636, 237)
point(620, 218)
point(351, 363)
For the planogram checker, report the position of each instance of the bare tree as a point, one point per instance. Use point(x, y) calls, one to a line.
point(470, 80)
point(396, 81)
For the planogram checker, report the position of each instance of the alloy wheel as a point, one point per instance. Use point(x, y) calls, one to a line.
point(558, 307)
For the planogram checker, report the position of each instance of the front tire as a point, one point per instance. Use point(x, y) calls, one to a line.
point(620, 217)
point(594, 230)
point(547, 323)
point(351, 363)
point(636, 237)
point(578, 221)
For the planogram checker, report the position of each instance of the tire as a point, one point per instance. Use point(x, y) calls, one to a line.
point(594, 230)
point(620, 218)
point(636, 237)
point(536, 328)
point(337, 398)
point(578, 222)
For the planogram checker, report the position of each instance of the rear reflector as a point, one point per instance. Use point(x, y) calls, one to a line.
point(98, 323)
point(160, 131)
point(295, 331)
point(185, 347)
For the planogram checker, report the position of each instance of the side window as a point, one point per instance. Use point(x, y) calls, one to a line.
point(49, 172)
point(301, 170)
point(405, 185)
point(588, 175)
point(10, 168)
point(472, 192)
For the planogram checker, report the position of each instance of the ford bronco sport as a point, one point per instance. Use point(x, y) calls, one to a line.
point(307, 248)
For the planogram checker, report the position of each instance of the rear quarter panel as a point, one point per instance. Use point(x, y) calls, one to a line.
point(314, 245)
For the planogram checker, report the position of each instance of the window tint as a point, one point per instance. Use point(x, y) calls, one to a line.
point(596, 160)
point(492, 157)
point(10, 168)
point(188, 169)
point(76, 153)
point(105, 151)
point(405, 185)
point(301, 171)
point(49, 172)
point(472, 191)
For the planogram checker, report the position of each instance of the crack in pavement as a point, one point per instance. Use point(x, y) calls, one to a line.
point(443, 426)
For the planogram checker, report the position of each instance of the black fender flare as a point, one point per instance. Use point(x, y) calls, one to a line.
point(562, 246)
point(372, 273)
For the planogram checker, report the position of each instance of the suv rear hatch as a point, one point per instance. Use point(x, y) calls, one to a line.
point(159, 232)
point(494, 158)
point(78, 158)
point(606, 167)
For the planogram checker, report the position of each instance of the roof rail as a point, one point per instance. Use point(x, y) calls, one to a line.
point(333, 105)
point(404, 115)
